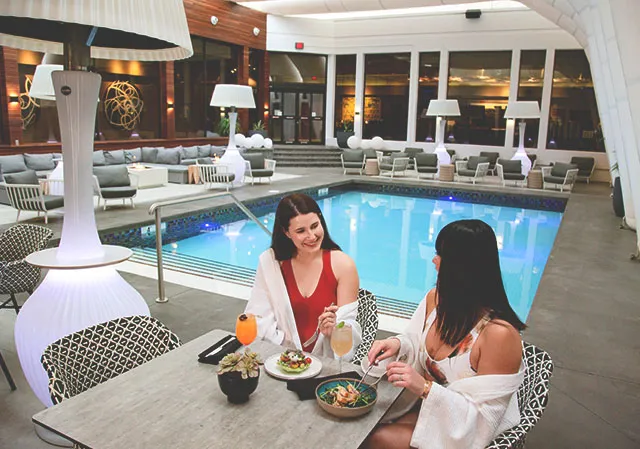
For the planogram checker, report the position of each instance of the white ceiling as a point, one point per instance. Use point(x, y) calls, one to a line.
point(305, 7)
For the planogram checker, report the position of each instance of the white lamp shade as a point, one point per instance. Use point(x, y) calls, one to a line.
point(233, 95)
point(522, 109)
point(42, 85)
point(131, 30)
point(443, 108)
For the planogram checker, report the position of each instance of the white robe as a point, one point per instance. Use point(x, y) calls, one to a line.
point(466, 414)
point(270, 303)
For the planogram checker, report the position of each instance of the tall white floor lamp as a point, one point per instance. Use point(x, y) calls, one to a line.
point(522, 110)
point(442, 109)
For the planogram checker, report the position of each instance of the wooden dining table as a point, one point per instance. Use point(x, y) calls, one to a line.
point(174, 402)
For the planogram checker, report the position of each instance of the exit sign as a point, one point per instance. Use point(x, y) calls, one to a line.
point(299, 45)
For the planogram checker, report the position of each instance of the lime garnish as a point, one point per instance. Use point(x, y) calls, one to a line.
point(340, 325)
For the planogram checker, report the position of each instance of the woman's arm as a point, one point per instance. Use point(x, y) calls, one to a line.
point(261, 305)
point(346, 274)
point(499, 349)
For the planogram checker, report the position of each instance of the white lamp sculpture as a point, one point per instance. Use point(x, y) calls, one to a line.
point(233, 96)
point(442, 109)
point(81, 287)
point(522, 110)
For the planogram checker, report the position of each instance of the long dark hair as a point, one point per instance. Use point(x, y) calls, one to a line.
point(469, 280)
point(291, 206)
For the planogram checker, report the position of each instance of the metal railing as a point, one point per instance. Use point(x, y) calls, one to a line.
point(156, 209)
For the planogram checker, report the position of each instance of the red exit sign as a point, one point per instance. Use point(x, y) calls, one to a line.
point(299, 45)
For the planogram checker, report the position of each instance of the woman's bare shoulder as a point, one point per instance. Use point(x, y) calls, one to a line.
point(500, 347)
point(431, 300)
point(341, 261)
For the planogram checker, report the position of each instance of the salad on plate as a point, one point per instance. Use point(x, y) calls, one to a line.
point(293, 361)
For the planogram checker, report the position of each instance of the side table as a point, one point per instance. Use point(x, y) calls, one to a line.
point(193, 174)
point(446, 172)
point(534, 179)
point(371, 167)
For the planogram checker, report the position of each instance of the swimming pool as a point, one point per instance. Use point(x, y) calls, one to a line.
point(391, 238)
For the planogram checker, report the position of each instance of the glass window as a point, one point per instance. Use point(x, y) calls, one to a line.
point(194, 79)
point(255, 64)
point(345, 92)
point(129, 100)
point(297, 68)
point(386, 96)
point(479, 80)
point(574, 122)
point(427, 91)
point(530, 89)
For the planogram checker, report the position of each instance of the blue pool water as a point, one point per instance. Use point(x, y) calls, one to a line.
point(392, 238)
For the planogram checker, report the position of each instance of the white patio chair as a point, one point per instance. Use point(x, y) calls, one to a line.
point(34, 197)
point(552, 179)
point(212, 175)
point(462, 171)
point(390, 166)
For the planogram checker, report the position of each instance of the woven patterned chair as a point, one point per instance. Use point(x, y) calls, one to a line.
point(368, 320)
point(16, 275)
point(86, 358)
point(533, 396)
point(7, 374)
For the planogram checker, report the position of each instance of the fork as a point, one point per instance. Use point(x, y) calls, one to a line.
point(314, 337)
point(402, 358)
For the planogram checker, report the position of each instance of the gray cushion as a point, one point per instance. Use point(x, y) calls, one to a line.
point(554, 179)
point(53, 201)
point(261, 173)
point(385, 166)
point(42, 174)
point(171, 168)
point(492, 156)
point(133, 155)
point(510, 166)
point(204, 151)
point(466, 172)
point(370, 154)
point(513, 176)
point(584, 164)
point(215, 150)
point(98, 158)
point(118, 192)
point(23, 177)
point(12, 163)
point(169, 156)
point(189, 152)
point(188, 162)
point(346, 165)
point(426, 160)
point(39, 161)
point(150, 154)
point(256, 160)
point(473, 162)
point(412, 151)
point(205, 161)
point(427, 169)
point(398, 155)
point(560, 169)
point(114, 157)
point(353, 156)
point(112, 176)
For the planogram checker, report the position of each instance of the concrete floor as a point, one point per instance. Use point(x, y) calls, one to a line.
point(586, 315)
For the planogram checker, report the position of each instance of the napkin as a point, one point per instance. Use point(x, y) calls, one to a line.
point(306, 388)
point(222, 347)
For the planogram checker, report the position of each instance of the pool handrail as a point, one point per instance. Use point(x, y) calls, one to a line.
point(156, 208)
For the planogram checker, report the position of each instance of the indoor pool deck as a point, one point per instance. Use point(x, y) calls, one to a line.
point(586, 315)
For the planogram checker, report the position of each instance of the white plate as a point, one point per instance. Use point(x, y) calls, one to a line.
point(273, 369)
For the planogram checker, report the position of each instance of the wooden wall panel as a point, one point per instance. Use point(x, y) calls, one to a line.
point(243, 79)
point(235, 22)
point(167, 96)
point(10, 86)
point(263, 92)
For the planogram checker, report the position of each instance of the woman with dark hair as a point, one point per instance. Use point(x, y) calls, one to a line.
point(463, 352)
point(304, 282)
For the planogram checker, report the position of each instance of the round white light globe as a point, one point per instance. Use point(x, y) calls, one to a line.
point(353, 142)
point(365, 144)
point(241, 140)
point(257, 141)
point(268, 143)
point(377, 143)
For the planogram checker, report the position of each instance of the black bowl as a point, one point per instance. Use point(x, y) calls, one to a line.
point(236, 388)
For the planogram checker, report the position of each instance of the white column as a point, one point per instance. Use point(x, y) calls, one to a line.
point(443, 82)
point(545, 106)
point(513, 95)
point(330, 98)
point(414, 82)
point(358, 119)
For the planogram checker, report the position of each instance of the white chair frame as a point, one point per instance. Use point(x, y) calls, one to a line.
point(500, 170)
point(215, 174)
point(30, 197)
point(481, 171)
point(569, 179)
point(398, 164)
point(359, 170)
point(269, 164)
point(133, 179)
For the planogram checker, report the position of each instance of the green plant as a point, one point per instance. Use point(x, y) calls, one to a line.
point(247, 364)
point(223, 126)
point(258, 126)
point(347, 126)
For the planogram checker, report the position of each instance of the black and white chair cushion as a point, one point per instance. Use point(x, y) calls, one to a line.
point(86, 358)
point(368, 320)
point(533, 396)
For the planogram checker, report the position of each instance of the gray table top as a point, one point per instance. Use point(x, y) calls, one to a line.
point(175, 402)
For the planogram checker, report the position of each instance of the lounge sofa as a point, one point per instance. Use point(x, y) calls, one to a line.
point(42, 164)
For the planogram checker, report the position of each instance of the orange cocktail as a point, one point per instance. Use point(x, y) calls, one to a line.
point(246, 328)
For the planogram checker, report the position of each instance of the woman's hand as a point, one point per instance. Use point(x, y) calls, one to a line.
point(327, 321)
point(388, 348)
point(405, 376)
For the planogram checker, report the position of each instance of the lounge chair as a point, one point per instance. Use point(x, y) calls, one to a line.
point(212, 175)
point(475, 168)
point(28, 193)
point(510, 170)
point(394, 164)
point(586, 167)
point(352, 160)
point(114, 182)
point(257, 167)
point(426, 164)
point(493, 158)
point(560, 174)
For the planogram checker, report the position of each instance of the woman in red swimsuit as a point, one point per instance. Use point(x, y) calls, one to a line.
point(304, 281)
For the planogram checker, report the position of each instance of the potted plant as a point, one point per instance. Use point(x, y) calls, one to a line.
point(238, 375)
point(345, 131)
point(223, 126)
point(258, 128)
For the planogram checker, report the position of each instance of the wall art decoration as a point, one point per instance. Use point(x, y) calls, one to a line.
point(123, 105)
